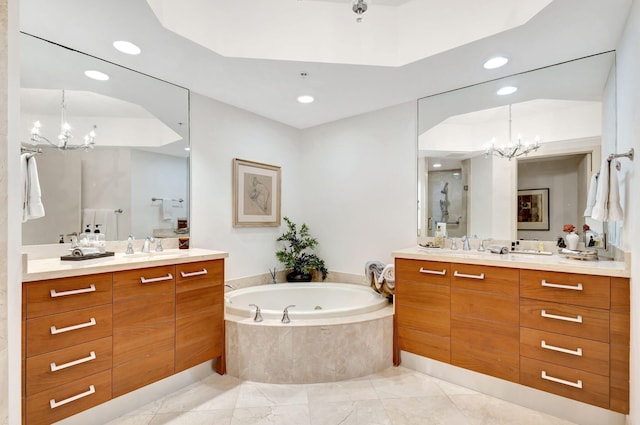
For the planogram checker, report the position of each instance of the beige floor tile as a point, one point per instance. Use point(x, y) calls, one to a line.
point(130, 419)
point(402, 383)
point(359, 412)
point(361, 389)
point(271, 415)
point(213, 417)
point(255, 394)
point(434, 410)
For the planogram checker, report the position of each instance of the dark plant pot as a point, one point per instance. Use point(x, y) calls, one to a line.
point(298, 277)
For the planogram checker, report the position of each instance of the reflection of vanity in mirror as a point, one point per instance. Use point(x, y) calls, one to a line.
point(569, 106)
point(134, 181)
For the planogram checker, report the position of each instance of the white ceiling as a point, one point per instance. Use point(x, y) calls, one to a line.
point(564, 30)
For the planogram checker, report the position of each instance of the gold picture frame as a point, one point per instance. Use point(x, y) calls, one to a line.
point(533, 209)
point(256, 194)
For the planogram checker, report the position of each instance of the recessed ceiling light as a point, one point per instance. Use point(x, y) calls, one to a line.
point(127, 47)
point(96, 75)
point(187, 149)
point(305, 99)
point(507, 90)
point(437, 165)
point(496, 62)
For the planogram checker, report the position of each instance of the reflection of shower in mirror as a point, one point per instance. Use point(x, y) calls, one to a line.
point(447, 201)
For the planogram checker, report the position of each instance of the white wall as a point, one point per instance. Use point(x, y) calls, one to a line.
point(628, 88)
point(358, 186)
point(219, 133)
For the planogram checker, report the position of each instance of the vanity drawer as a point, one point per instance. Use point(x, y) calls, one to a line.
point(199, 300)
point(60, 295)
point(570, 288)
point(567, 382)
point(199, 338)
point(51, 370)
point(582, 322)
point(419, 271)
point(68, 399)
point(199, 275)
point(433, 321)
point(482, 333)
point(426, 344)
point(498, 280)
point(49, 333)
point(139, 283)
point(578, 353)
point(423, 295)
point(501, 364)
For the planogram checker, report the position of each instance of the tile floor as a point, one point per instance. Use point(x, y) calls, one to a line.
point(396, 396)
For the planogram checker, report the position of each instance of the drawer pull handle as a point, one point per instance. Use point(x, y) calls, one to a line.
point(578, 319)
point(577, 287)
point(55, 367)
point(200, 273)
point(469, 276)
point(91, 288)
point(169, 276)
point(55, 404)
point(55, 331)
point(546, 346)
point(561, 381)
point(423, 270)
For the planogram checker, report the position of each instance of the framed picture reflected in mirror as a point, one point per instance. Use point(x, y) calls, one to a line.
point(533, 209)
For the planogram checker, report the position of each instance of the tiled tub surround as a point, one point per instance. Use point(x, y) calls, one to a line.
point(512, 325)
point(98, 329)
point(309, 351)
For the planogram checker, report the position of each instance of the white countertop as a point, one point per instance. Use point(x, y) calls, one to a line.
point(553, 262)
point(51, 268)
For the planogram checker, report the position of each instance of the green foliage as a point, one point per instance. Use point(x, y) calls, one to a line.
point(297, 254)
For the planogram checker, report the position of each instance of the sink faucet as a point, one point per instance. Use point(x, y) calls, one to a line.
point(129, 250)
point(147, 244)
point(481, 247)
point(465, 243)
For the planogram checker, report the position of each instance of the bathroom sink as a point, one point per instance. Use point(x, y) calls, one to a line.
point(154, 254)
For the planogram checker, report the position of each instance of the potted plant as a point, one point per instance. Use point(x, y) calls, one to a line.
point(297, 254)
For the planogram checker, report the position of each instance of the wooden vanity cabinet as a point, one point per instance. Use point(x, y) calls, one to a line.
point(67, 346)
point(422, 308)
point(143, 327)
point(90, 338)
point(199, 313)
point(564, 333)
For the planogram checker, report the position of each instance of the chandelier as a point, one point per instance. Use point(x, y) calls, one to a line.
point(359, 7)
point(65, 136)
point(512, 150)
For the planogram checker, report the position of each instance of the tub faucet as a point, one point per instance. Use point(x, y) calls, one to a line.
point(258, 316)
point(465, 243)
point(228, 285)
point(285, 314)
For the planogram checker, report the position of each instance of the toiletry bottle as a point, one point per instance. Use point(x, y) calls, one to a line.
point(88, 229)
point(97, 229)
point(438, 240)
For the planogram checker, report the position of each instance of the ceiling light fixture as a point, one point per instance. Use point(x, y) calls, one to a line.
point(96, 75)
point(507, 90)
point(512, 150)
point(437, 165)
point(495, 62)
point(305, 98)
point(359, 7)
point(126, 47)
point(65, 134)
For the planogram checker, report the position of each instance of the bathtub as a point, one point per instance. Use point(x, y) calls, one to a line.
point(312, 301)
point(337, 331)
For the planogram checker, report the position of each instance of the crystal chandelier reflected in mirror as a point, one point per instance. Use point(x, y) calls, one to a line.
point(65, 136)
point(511, 150)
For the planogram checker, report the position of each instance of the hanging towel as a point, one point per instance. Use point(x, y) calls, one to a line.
point(106, 218)
point(32, 196)
point(591, 198)
point(88, 219)
point(607, 206)
point(167, 205)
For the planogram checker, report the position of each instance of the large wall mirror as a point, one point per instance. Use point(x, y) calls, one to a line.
point(570, 107)
point(135, 180)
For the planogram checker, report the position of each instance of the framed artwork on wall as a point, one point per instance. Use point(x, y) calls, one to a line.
point(533, 209)
point(256, 194)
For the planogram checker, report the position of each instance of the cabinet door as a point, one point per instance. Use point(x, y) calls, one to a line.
point(199, 313)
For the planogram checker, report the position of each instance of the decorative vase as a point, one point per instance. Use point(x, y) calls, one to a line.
point(298, 277)
point(572, 239)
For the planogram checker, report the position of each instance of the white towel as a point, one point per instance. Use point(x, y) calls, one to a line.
point(167, 213)
point(88, 219)
point(607, 206)
point(591, 198)
point(32, 196)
